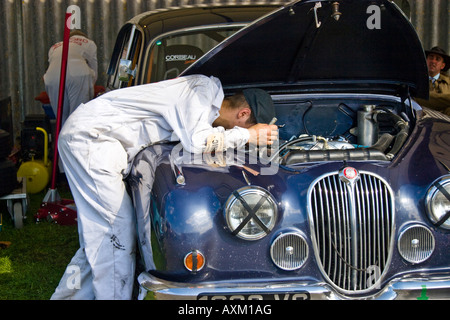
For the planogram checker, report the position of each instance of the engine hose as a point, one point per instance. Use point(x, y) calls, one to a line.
point(284, 147)
point(400, 125)
point(304, 156)
point(400, 139)
point(383, 142)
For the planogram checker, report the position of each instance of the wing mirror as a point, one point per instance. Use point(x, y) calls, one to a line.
point(125, 70)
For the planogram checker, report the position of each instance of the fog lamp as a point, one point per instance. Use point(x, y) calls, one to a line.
point(416, 244)
point(289, 251)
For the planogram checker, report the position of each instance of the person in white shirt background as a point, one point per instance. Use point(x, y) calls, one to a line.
point(81, 75)
point(101, 138)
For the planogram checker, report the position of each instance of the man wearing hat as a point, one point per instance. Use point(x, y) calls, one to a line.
point(101, 138)
point(438, 62)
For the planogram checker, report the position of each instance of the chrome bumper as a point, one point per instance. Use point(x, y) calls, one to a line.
point(418, 288)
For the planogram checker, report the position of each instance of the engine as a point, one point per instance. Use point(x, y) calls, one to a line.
point(378, 135)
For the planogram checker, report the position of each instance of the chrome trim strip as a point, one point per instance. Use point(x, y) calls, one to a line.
point(404, 288)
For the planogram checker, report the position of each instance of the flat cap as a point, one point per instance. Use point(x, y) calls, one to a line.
point(261, 104)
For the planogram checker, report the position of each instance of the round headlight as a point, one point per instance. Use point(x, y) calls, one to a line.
point(438, 203)
point(251, 213)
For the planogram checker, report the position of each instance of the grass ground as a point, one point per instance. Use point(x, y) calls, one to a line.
point(32, 265)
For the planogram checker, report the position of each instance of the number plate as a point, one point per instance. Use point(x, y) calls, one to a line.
point(297, 295)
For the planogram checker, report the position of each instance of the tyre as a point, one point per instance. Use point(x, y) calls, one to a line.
point(18, 215)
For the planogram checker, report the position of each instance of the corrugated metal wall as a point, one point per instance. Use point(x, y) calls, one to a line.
point(30, 27)
point(432, 23)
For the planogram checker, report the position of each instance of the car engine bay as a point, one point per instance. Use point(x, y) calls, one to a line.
point(340, 128)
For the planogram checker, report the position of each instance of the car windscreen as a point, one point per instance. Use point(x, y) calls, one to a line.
point(171, 54)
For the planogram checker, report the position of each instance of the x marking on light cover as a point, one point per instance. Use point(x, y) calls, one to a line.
point(251, 213)
point(447, 195)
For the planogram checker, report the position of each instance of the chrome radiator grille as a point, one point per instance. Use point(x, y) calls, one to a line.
point(352, 227)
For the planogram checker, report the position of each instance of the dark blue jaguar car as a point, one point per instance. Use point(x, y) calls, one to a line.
point(354, 201)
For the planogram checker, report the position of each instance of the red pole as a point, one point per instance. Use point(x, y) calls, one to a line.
point(53, 208)
point(62, 86)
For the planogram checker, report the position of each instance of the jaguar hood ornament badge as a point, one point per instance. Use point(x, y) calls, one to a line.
point(349, 175)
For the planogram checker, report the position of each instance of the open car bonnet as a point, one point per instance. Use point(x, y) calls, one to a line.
point(322, 46)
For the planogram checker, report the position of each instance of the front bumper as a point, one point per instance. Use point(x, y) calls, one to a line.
point(417, 288)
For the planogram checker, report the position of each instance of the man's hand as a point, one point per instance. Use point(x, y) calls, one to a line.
point(263, 134)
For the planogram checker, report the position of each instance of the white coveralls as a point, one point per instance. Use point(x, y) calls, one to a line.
point(97, 146)
point(81, 74)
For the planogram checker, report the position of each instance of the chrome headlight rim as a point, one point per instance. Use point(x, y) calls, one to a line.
point(433, 192)
point(236, 197)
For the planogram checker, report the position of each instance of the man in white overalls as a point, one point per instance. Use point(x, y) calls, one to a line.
point(99, 142)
